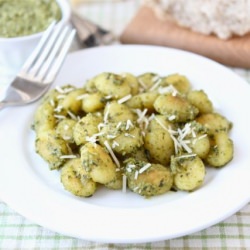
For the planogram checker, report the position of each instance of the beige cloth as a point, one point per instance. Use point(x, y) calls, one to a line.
point(146, 28)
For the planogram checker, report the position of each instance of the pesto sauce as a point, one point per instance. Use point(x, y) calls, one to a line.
point(26, 17)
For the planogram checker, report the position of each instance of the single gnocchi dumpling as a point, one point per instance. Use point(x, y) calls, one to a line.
point(89, 85)
point(179, 83)
point(188, 170)
point(175, 107)
point(200, 100)
point(139, 154)
point(52, 97)
point(143, 101)
point(133, 82)
point(65, 129)
point(93, 102)
point(75, 179)
point(116, 183)
point(44, 118)
point(200, 145)
point(221, 150)
point(116, 112)
point(148, 179)
point(86, 128)
point(110, 84)
point(197, 139)
point(147, 81)
point(214, 123)
point(65, 101)
point(52, 148)
point(124, 137)
point(70, 101)
point(97, 163)
point(158, 141)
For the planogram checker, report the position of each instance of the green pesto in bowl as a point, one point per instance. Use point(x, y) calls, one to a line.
point(26, 17)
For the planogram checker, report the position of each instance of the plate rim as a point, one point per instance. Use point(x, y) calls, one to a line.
point(137, 239)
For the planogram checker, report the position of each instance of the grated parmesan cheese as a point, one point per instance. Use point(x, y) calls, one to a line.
point(128, 125)
point(67, 90)
point(81, 97)
point(108, 97)
point(100, 126)
point(59, 89)
point(151, 117)
point(129, 135)
point(66, 138)
point(160, 123)
point(67, 156)
point(156, 84)
point(124, 183)
point(136, 174)
point(94, 137)
point(171, 118)
point(118, 125)
point(156, 78)
point(168, 90)
point(59, 116)
point(58, 109)
point(142, 84)
point(91, 139)
point(52, 103)
point(124, 99)
point(111, 136)
point(141, 114)
point(199, 138)
point(105, 118)
point(144, 168)
point(66, 127)
point(186, 156)
point(112, 154)
point(72, 116)
point(115, 144)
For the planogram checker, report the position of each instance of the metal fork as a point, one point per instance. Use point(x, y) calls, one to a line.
point(41, 68)
point(90, 34)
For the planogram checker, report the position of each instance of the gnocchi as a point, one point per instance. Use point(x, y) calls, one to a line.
point(146, 133)
point(76, 180)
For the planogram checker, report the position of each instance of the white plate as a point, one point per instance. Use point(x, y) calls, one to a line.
point(29, 187)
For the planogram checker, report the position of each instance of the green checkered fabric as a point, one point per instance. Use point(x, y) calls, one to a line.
point(16, 232)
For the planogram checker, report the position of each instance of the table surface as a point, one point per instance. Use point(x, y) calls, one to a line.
point(16, 232)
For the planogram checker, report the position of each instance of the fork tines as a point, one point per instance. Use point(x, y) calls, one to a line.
point(45, 61)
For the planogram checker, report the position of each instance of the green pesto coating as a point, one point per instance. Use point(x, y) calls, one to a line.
point(26, 17)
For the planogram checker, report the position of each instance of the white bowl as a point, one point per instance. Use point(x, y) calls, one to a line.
point(14, 51)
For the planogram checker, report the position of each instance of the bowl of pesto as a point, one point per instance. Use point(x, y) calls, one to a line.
point(22, 24)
